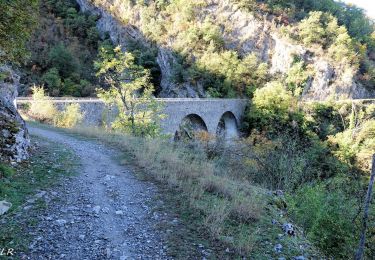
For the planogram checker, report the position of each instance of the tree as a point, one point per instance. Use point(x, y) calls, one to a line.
point(129, 88)
point(53, 81)
point(274, 110)
point(17, 20)
point(61, 58)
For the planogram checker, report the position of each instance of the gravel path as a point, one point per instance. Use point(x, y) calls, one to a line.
point(102, 213)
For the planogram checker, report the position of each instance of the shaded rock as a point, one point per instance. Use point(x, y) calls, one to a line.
point(4, 207)
point(61, 222)
point(14, 137)
point(119, 212)
point(289, 229)
point(96, 209)
point(278, 248)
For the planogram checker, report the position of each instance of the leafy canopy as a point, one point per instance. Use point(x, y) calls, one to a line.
point(129, 88)
point(17, 21)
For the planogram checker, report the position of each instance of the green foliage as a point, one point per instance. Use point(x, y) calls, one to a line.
point(359, 26)
point(324, 119)
point(60, 58)
point(44, 110)
point(65, 42)
point(327, 217)
point(129, 88)
point(322, 29)
point(5, 171)
point(274, 109)
point(70, 117)
point(285, 161)
point(17, 20)
point(325, 177)
point(356, 146)
point(145, 56)
point(228, 74)
point(53, 81)
point(297, 77)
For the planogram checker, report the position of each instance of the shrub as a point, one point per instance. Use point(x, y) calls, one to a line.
point(327, 216)
point(229, 74)
point(5, 171)
point(70, 117)
point(53, 81)
point(297, 77)
point(322, 29)
point(356, 146)
point(42, 109)
point(274, 109)
point(61, 58)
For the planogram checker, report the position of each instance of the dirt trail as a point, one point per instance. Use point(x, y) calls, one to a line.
point(103, 213)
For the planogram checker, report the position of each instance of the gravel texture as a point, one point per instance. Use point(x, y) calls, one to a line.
point(102, 213)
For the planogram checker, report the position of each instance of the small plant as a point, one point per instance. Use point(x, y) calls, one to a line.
point(41, 108)
point(70, 117)
point(5, 171)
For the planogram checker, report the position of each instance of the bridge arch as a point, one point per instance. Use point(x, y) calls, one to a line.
point(227, 127)
point(189, 126)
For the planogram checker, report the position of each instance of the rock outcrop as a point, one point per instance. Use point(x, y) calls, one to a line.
point(14, 137)
point(242, 31)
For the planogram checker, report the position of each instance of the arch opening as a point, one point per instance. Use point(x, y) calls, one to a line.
point(191, 127)
point(227, 127)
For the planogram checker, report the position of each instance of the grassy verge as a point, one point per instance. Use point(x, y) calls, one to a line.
point(48, 163)
point(232, 211)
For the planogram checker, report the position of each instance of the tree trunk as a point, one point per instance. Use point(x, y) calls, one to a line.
point(361, 247)
point(132, 119)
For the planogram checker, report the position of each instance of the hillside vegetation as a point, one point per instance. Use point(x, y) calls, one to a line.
point(227, 49)
point(302, 162)
point(202, 48)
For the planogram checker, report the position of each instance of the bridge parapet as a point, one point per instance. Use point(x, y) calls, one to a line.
point(210, 110)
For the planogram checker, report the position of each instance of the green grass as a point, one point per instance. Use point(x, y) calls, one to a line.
point(48, 163)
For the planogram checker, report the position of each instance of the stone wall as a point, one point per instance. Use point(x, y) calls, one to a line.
point(210, 110)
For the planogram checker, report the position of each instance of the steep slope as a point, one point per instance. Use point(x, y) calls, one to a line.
point(205, 47)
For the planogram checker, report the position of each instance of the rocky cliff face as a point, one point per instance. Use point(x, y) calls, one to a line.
point(14, 137)
point(241, 31)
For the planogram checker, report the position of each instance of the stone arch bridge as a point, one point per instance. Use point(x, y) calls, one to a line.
point(212, 115)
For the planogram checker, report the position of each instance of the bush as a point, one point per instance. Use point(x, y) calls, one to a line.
point(274, 110)
point(230, 75)
point(5, 171)
point(356, 146)
point(61, 58)
point(322, 29)
point(53, 81)
point(70, 117)
point(42, 109)
point(327, 217)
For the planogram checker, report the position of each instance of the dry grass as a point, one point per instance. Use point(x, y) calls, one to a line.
point(221, 198)
point(215, 193)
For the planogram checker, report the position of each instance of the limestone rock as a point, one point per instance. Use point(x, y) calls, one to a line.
point(14, 137)
point(4, 207)
point(289, 229)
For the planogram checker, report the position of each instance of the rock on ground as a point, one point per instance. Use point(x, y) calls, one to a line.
point(4, 207)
